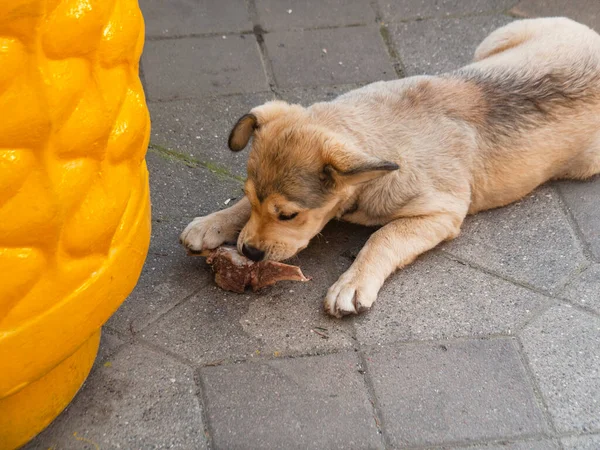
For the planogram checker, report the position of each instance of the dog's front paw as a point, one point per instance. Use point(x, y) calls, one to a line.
point(208, 232)
point(351, 294)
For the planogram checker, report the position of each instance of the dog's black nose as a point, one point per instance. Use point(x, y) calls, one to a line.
point(253, 253)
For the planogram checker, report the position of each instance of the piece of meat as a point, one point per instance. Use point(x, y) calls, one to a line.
point(234, 272)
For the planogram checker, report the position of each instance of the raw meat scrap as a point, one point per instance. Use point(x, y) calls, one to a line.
point(234, 272)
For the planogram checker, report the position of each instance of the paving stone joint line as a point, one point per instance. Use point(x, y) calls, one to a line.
point(203, 402)
point(489, 13)
point(397, 63)
point(553, 297)
point(210, 97)
point(477, 443)
point(259, 33)
point(370, 389)
point(191, 161)
point(581, 240)
point(542, 404)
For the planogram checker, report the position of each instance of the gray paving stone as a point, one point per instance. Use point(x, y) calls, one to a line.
point(308, 95)
point(400, 10)
point(585, 288)
point(440, 45)
point(136, 399)
point(298, 58)
point(432, 394)
point(314, 402)
point(286, 14)
point(195, 67)
point(563, 352)
point(179, 188)
point(286, 319)
point(584, 11)
point(583, 200)
point(184, 17)
point(168, 277)
point(522, 445)
point(529, 241)
point(591, 442)
point(206, 328)
point(178, 194)
point(200, 127)
point(435, 298)
point(110, 342)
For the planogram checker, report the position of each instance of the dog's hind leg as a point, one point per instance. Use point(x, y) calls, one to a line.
point(394, 246)
point(584, 165)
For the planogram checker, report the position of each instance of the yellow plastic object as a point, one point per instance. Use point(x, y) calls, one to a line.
point(74, 200)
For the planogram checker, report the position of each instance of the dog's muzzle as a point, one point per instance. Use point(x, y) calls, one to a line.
point(252, 253)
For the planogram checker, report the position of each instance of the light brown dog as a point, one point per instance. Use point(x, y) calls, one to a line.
point(416, 155)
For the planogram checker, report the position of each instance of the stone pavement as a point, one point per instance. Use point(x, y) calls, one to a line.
point(489, 342)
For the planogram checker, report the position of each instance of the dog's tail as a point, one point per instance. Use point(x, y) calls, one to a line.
point(503, 39)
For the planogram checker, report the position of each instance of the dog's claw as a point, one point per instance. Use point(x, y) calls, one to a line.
point(350, 295)
point(193, 252)
point(360, 308)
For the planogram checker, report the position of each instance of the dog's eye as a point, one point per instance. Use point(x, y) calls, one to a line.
point(287, 217)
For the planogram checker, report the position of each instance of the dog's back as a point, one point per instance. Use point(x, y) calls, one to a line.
point(539, 82)
point(531, 98)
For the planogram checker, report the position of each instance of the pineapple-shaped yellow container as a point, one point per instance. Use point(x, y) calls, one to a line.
point(74, 200)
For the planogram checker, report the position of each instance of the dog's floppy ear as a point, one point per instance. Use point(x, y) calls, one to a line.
point(352, 166)
point(258, 116)
point(242, 131)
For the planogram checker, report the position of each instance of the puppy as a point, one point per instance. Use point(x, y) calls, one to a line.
point(415, 155)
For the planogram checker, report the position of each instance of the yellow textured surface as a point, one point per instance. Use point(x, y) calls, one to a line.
point(74, 202)
point(50, 391)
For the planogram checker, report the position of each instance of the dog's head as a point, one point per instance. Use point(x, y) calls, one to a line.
point(299, 174)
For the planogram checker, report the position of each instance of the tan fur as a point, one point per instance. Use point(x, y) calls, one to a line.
point(525, 112)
